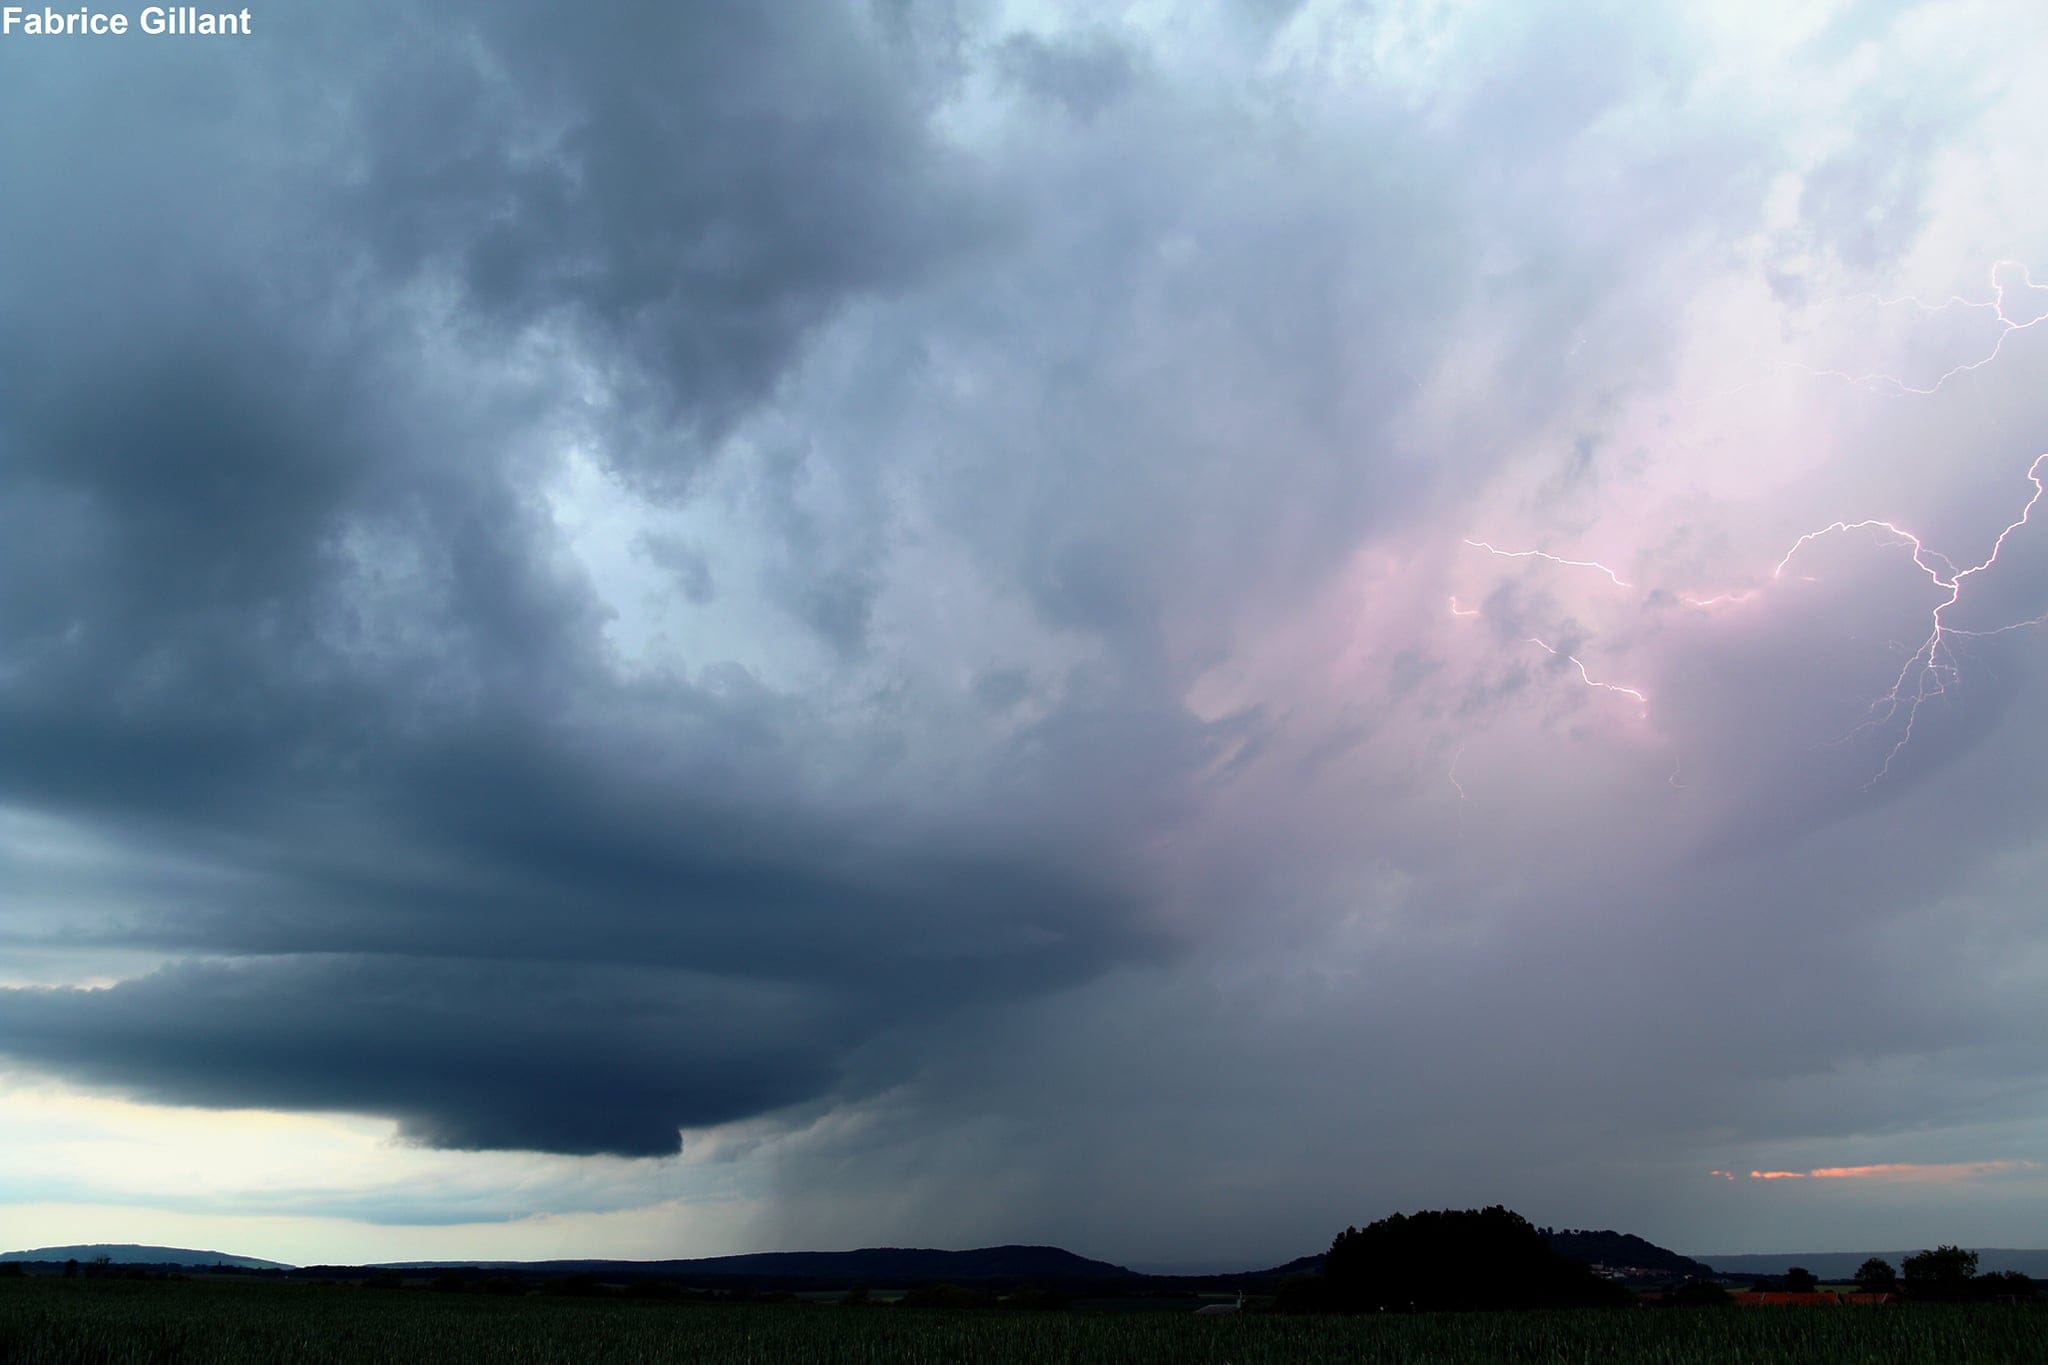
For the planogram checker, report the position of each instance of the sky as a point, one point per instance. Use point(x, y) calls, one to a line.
point(675, 630)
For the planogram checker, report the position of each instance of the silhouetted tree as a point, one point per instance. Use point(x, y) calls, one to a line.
point(1457, 1258)
point(2002, 1284)
point(1876, 1276)
point(1799, 1280)
point(1943, 1273)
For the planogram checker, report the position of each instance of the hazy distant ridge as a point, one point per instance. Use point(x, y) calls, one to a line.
point(128, 1253)
point(877, 1264)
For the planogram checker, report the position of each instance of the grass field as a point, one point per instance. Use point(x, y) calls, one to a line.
point(113, 1322)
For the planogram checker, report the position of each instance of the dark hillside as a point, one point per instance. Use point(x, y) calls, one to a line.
point(1624, 1252)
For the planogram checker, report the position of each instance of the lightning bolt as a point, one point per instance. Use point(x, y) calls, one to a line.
point(1584, 676)
point(2007, 325)
point(1554, 559)
point(1452, 777)
point(1933, 666)
point(1571, 659)
point(1723, 599)
point(1898, 537)
point(1927, 672)
point(1930, 669)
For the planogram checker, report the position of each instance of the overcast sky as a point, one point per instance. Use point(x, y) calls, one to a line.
point(715, 627)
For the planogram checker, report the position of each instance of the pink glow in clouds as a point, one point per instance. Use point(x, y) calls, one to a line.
point(1928, 671)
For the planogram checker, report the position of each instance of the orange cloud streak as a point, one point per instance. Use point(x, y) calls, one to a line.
point(1907, 1170)
point(1897, 1171)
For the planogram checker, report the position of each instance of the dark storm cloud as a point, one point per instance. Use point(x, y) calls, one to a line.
point(690, 190)
point(463, 1054)
point(280, 599)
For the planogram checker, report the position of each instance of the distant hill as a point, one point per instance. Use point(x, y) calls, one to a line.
point(870, 1265)
point(1300, 1265)
point(127, 1253)
point(1624, 1251)
point(1841, 1265)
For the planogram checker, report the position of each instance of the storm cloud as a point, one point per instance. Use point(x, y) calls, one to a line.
point(900, 593)
point(284, 600)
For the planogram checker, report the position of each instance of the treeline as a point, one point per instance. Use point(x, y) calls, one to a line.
point(1945, 1274)
point(99, 1268)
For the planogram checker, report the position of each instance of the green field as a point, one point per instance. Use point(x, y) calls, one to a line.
point(112, 1321)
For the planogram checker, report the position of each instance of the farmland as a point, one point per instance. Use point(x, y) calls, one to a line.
point(112, 1322)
